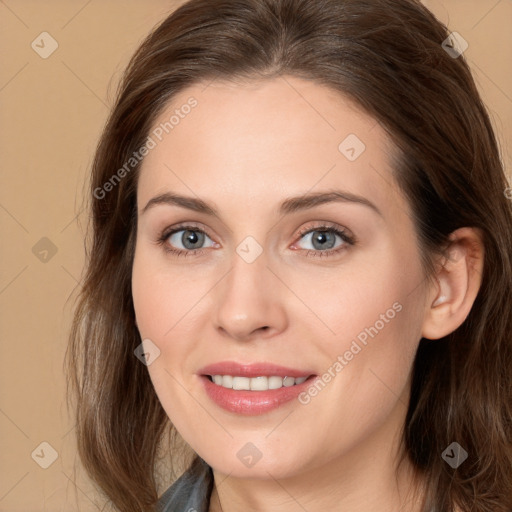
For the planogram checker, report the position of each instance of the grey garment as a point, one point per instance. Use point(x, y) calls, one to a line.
point(191, 492)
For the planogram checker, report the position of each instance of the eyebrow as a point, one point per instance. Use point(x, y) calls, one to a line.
point(288, 206)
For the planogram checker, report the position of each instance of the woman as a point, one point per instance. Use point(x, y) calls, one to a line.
point(301, 264)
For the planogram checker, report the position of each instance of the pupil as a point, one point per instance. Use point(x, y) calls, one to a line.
point(192, 237)
point(322, 238)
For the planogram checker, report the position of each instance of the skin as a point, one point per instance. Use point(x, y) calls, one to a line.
point(244, 149)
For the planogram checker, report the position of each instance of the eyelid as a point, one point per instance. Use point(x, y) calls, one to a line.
point(167, 232)
point(348, 239)
point(346, 235)
point(327, 226)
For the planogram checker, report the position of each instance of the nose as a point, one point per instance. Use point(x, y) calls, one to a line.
point(249, 301)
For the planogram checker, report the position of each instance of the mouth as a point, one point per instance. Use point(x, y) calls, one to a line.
point(253, 389)
point(260, 383)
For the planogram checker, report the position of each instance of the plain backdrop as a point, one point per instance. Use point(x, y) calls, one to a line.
point(52, 112)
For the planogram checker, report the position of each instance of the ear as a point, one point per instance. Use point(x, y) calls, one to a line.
point(458, 280)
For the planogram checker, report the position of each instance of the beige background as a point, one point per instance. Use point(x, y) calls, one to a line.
point(52, 111)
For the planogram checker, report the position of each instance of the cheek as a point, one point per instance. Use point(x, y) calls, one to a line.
point(371, 300)
point(165, 297)
point(163, 303)
point(374, 315)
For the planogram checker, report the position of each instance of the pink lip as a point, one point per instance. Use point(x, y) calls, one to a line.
point(251, 403)
point(252, 370)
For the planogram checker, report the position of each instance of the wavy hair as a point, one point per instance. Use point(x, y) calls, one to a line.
point(387, 56)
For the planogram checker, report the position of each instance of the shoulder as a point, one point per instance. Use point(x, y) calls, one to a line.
point(192, 490)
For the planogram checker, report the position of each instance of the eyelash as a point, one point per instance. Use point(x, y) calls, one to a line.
point(348, 239)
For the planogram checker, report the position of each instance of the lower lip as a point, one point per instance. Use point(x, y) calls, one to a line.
point(251, 403)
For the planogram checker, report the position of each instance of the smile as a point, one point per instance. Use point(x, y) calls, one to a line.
point(261, 383)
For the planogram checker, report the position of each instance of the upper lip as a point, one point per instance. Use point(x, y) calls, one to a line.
point(252, 370)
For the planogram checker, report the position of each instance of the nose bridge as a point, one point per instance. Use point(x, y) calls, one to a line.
point(246, 282)
point(247, 298)
point(248, 263)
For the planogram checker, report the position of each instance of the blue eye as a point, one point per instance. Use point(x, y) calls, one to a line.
point(192, 239)
point(323, 239)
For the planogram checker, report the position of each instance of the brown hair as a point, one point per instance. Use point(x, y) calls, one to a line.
point(387, 56)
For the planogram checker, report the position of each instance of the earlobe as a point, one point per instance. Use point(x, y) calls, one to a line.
point(458, 281)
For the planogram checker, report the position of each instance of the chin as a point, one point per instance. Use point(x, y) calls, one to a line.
point(255, 461)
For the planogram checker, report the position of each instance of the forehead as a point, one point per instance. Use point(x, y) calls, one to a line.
point(252, 141)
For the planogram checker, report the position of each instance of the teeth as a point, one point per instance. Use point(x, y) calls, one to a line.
point(240, 383)
point(275, 382)
point(256, 383)
point(227, 381)
point(288, 381)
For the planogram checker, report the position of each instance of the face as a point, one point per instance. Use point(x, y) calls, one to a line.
point(262, 274)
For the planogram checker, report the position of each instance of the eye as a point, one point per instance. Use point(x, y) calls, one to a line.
point(323, 239)
point(188, 240)
point(184, 240)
